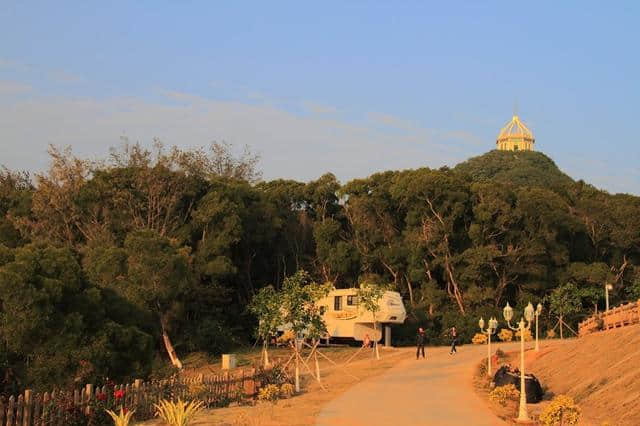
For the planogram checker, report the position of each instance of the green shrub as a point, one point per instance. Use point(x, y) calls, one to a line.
point(561, 411)
point(272, 376)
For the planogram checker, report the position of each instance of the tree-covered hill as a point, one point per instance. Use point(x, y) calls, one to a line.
point(105, 266)
point(519, 168)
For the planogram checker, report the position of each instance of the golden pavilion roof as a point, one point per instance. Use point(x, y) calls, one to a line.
point(515, 129)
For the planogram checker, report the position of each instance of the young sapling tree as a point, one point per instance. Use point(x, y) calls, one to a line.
point(369, 296)
point(266, 306)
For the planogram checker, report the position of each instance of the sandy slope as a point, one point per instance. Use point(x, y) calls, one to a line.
point(600, 371)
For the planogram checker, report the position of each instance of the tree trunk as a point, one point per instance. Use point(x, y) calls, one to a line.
point(457, 294)
point(561, 322)
point(375, 342)
point(295, 348)
point(410, 288)
point(265, 352)
point(315, 356)
point(169, 347)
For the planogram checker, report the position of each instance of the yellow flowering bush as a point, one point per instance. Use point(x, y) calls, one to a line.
point(479, 339)
point(505, 393)
point(505, 335)
point(527, 335)
point(287, 390)
point(551, 334)
point(286, 337)
point(561, 411)
point(269, 393)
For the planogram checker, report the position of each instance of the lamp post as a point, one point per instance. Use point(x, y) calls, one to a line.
point(528, 315)
point(491, 329)
point(607, 287)
point(538, 312)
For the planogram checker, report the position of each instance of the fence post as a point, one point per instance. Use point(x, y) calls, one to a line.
point(88, 394)
point(10, 408)
point(136, 392)
point(45, 409)
point(20, 410)
point(2, 410)
point(27, 408)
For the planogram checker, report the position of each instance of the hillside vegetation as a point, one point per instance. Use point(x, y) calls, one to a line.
point(518, 168)
point(106, 266)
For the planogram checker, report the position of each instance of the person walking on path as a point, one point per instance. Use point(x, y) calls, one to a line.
point(367, 341)
point(454, 341)
point(420, 343)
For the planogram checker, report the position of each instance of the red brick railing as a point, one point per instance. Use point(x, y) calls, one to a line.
point(620, 316)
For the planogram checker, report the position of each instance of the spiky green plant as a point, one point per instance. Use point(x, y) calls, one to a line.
point(178, 413)
point(121, 419)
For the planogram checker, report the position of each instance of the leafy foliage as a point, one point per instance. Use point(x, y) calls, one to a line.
point(503, 394)
point(122, 418)
point(178, 413)
point(266, 306)
point(505, 335)
point(299, 296)
point(269, 393)
point(287, 390)
point(104, 264)
point(479, 339)
point(561, 411)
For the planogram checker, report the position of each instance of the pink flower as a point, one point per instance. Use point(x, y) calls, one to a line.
point(118, 394)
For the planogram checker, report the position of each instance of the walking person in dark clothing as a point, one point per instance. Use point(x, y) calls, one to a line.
point(420, 343)
point(454, 341)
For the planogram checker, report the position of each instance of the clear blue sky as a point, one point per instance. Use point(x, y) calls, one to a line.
point(348, 87)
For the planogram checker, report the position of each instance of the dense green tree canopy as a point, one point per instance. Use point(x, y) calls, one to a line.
point(104, 265)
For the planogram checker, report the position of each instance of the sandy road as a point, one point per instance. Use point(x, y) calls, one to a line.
point(435, 391)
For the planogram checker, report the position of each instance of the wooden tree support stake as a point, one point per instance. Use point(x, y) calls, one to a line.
point(334, 363)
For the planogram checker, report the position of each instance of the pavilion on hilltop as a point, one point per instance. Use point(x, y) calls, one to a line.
point(515, 136)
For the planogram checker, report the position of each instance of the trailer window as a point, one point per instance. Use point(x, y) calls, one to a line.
point(337, 303)
point(352, 300)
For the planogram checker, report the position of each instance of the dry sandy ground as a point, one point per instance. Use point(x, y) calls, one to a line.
point(600, 371)
point(304, 408)
point(436, 391)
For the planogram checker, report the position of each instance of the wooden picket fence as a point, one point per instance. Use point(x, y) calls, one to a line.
point(58, 407)
point(620, 316)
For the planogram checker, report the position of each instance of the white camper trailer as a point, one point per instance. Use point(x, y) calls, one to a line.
point(345, 318)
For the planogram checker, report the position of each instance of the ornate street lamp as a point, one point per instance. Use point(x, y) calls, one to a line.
point(538, 312)
point(528, 315)
point(491, 329)
point(607, 287)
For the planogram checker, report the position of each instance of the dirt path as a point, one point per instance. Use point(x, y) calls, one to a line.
point(434, 391)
